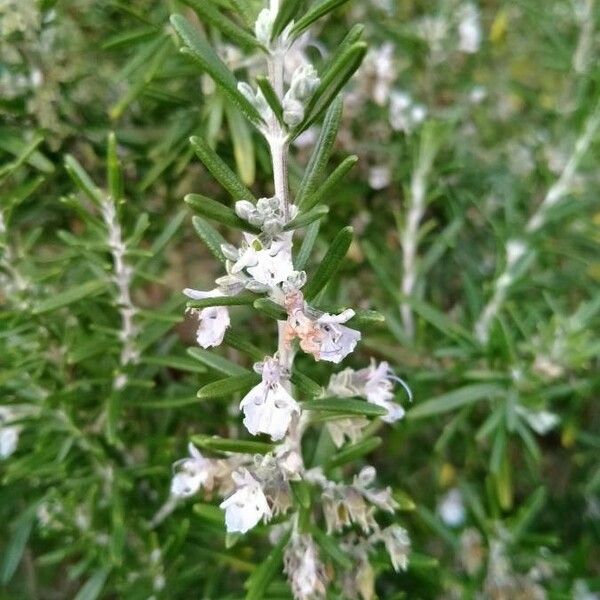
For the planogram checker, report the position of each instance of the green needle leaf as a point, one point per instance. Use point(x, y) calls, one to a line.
point(211, 209)
point(199, 49)
point(220, 171)
point(330, 264)
point(210, 14)
point(72, 295)
point(325, 190)
point(454, 399)
point(353, 452)
point(344, 406)
point(211, 237)
point(315, 13)
point(306, 218)
point(83, 181)
point(218, 444)
point(216, 362)
point(228, 386)
point(320, 156)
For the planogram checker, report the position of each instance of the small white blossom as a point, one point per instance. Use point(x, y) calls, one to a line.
point(405, 115)
point(268, 407)
point(451, 508)
point(469, 29)
point(9, 434)
point(247, 505)
point(191, 474)
point(378, 390)
point(380, 176)
point(397, 544)
point(213, 321)
point(542, 421)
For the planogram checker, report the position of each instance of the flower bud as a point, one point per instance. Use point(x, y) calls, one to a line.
point(264, 26)
point(293, 111)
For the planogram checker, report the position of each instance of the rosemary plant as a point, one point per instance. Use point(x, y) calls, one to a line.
point(259, 480)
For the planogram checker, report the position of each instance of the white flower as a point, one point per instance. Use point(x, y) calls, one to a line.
point(320, 334)
point(404, 114)
point(336, 340)
point(273, 265)
point(213, 320)
point(542, 421)
point(378, 390)
point(268, 407)
point(380, 177)
point(246, 506)
point(451, 508)
point(9, 434)
point(191, 474)
point(397, 544)
point(469, 29)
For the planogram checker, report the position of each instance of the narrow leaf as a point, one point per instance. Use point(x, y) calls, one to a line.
point(325, 190)
point(310, 237)
point(243, 144)
point(211, 237)
point(330, 264)
point(93, 586)
point(331, 84)
point(239, 300)
point(216, 362)
point(270, 96)
point(228, 386)
point(353, 452)
point(315, 13)
point(320, 156)
point(13, 551)
point(82, 180)
point(201, 51)
point(454, 399)
point(74, 294)
point(287, 11)
point(220, 171)
point(306, 218)
point(210, 14)
point(345, 406)
point(218, 444)
point(211, 209)
point(270, 308)
point(266, 571)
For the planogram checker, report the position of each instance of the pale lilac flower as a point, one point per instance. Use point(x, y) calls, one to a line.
point(213, 321)
point(336, 340)
point(247, 505)
point(191, 474)
point(378, 390)
point(268, 407)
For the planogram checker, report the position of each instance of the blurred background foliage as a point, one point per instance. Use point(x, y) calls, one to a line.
point(496, 463)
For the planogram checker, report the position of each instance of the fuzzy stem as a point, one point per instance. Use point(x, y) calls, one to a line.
point(555, 195)
point(122, 277)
